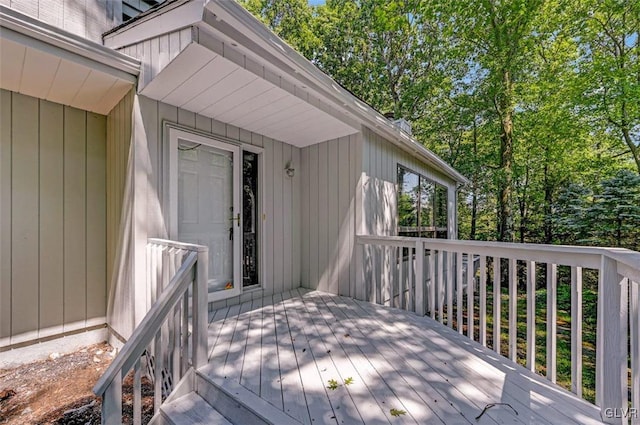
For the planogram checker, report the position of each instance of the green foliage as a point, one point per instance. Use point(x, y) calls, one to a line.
point(608, 215)
point(397, 412)
point(334, 385)
point(535, 102)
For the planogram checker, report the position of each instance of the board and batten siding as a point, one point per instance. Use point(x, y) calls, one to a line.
point(281, 257)
point(86, 18)
point(52, 219)
point(331, 173)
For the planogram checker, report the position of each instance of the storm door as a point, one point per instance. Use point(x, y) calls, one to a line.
point(206, 183)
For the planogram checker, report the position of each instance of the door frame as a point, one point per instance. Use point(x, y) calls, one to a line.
point(174, 135)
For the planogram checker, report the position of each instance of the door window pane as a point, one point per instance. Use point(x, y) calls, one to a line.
point(250, 219)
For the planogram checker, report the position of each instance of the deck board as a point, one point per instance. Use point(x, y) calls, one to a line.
point(419, 366)
point(341, 401)
point(319, 405)
point(286, 347)
point(251, 365)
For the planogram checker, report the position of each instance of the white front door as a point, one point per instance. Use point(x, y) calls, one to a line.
point(205, 203)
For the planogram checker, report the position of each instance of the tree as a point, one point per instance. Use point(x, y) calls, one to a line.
point(292, 20)
point(610, 68)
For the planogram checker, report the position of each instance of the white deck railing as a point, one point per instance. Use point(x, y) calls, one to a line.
point(171, 338)
point(448, 278)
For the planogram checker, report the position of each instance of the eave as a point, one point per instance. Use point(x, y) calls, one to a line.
point(40, 60)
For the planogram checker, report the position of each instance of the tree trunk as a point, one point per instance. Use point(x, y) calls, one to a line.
point(548, 199)
point(632, 147)
point(505, 183)
point(474, 183)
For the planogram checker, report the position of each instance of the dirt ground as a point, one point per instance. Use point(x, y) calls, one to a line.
point(56, 390)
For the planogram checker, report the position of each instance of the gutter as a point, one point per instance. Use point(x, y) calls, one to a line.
point(34, 33)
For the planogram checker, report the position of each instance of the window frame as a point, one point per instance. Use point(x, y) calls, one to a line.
point(433, 230)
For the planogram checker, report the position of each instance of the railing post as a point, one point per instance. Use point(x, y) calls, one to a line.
point(112, 402)
point(419, 273)
point(611, 343)
point(200, 294)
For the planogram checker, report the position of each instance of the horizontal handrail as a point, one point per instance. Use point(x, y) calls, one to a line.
point(144, 333)
point(579, 256)
point(179, 245)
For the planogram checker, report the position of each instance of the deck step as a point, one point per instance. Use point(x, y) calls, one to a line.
point(238, 404)
point(191, 409)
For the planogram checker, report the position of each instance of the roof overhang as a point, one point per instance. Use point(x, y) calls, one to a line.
point(43, 61)
point(225, 26)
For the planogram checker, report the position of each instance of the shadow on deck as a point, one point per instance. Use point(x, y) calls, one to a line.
point(322, 358)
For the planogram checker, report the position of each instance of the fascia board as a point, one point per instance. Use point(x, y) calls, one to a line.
point(172, 17)
point(31, 32)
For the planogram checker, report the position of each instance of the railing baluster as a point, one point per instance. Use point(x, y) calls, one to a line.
point(164, 277)
point(157, 372)
point(471, 314)
point(449, 288)
point(459, 291)
point(401, 279)
point(150, 274)
point(419, 298)
point(576, 330)
point(395, 283)
point(184, 333)
point(440, 288)
point(432, 283)
point(552, 318)
point(177, 337)
point(513, 309)
point(411, 282)
point(531, 315)
point(497, 301)
point(634, 318)
point(483, 300)
point(385, 275)
point(137, 393)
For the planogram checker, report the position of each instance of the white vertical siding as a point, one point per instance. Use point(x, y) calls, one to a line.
point(280, 262)
point(86, 18)
point(119, 124)
point(381, 159)
point(52, 219)
point(156, 53)
point(379, 191)
point(331, 171)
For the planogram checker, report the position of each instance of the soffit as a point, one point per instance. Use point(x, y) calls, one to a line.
point(203, 81)
point(42, 61)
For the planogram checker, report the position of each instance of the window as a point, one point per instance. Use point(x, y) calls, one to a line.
point(422, 206)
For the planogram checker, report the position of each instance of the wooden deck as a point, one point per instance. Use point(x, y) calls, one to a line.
point(287, 349)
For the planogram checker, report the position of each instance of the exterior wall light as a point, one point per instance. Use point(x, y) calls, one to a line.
point(289, 169)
